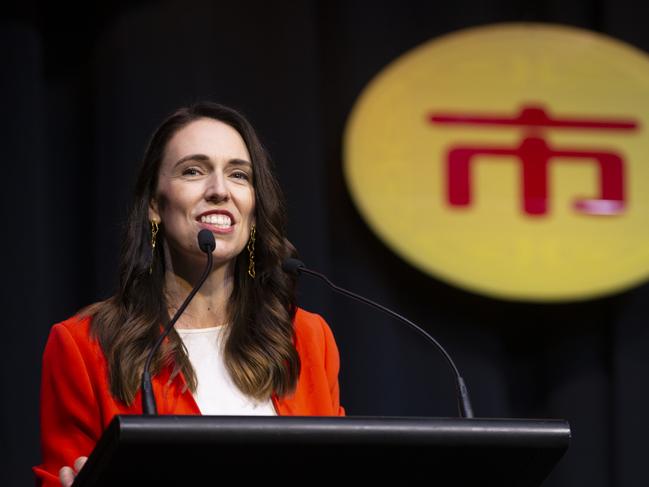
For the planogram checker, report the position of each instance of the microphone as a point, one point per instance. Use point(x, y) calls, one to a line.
point(296, 267)
point(207, 244)
point(206, 241)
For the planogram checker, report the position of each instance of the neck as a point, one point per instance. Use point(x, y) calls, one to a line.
point(210, 305)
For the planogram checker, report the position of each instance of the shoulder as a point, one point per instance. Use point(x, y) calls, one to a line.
point(313, 332)
point(310, 325)
point(78, 327)
point(71, 333)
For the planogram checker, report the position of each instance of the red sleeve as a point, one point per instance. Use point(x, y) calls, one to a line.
point(332, 367)
point(70, 422)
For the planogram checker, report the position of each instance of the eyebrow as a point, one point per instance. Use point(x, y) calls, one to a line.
point(204, 158)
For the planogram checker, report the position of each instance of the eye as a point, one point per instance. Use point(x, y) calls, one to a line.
point(241, 175)
point(191, 171)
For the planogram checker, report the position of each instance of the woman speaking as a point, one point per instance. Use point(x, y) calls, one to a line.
point(241, 347)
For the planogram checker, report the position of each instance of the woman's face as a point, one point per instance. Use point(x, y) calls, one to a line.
point(205, 181)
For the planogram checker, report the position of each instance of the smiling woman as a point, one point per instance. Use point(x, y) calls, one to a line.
point(242, 347)
point(206, 180)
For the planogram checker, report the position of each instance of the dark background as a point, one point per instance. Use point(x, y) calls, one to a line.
point(83, 87)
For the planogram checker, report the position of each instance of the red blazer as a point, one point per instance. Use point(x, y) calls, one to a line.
point(76, 404)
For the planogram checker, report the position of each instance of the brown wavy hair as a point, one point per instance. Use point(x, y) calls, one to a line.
point(259, 351)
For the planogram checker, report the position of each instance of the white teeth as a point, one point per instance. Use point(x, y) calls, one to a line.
point(217, 219)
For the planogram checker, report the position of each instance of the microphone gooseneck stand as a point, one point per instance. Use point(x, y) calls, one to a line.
point(207, 244)
point(295, 267)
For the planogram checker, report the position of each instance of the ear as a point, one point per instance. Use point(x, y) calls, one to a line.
point(154, 215)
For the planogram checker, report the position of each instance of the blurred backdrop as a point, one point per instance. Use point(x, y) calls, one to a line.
point(82, 88)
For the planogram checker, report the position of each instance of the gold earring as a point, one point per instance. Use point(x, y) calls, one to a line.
point(154, 234)
point(251, 252)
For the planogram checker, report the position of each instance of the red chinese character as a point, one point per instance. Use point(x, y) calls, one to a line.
point(535, 155)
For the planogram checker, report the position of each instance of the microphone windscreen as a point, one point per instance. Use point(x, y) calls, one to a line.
point(206, 241)
point(292, 266)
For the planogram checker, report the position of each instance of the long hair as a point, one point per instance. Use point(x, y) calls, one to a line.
point(259, 351)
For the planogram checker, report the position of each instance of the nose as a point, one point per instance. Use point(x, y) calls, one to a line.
point(217, 189)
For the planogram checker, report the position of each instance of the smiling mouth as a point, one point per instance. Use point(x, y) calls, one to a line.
point(218, 220)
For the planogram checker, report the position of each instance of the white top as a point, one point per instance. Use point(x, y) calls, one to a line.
point(216, 394)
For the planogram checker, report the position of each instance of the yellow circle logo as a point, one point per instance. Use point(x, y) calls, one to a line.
point(511, 160)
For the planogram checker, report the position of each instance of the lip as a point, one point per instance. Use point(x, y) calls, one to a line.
point(214, 228)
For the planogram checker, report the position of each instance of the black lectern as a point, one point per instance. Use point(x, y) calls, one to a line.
point(207, 450)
